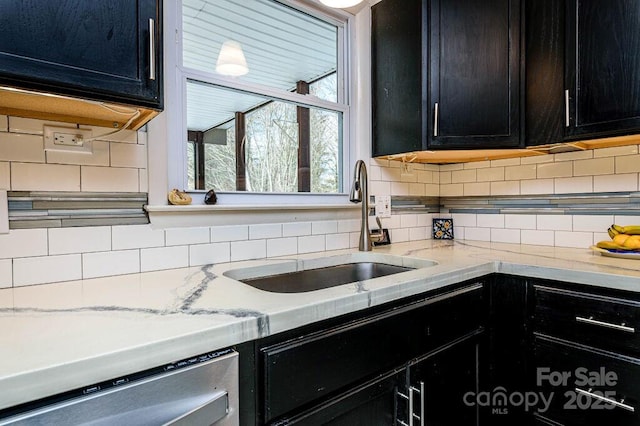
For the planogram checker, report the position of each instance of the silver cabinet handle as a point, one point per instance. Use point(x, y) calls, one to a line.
point(210, 412)
point(152, 49)
point(607, 400)
point(435, 119)
point(606, 324)
point(567, 117)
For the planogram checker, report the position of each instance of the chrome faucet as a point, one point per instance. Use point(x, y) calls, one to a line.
point(360, 194)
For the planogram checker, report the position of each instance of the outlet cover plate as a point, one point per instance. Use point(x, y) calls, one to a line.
point(67, 139)
point(383, 205)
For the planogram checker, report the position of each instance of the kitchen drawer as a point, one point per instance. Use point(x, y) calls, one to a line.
point(301, 371)
point(614, 377)
point(611, 323)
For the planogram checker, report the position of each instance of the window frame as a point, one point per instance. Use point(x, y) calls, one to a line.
point(178, 159)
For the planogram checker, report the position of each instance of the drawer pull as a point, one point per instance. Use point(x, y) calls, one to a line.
point(607, 400)
point(606, 324)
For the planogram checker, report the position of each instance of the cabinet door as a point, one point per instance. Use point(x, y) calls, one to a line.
point(104, 50)
point(398, 76)
point(475, 74)
point(603, 67)
point(450, 382)
point(371, 404)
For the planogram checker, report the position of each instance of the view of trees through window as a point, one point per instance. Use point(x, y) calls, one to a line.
point(271, 146)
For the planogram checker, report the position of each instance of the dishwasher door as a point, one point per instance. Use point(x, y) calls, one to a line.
point(200, 391)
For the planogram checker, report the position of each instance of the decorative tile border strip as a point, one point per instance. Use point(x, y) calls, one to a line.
point(70, 209)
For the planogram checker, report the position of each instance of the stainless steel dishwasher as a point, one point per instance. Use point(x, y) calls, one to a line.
point(201, 390)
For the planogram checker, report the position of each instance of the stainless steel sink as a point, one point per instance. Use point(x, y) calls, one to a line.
point(330, 276)
point(303, 275)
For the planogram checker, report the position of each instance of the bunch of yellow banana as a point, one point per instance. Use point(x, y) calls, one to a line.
point(622, 238)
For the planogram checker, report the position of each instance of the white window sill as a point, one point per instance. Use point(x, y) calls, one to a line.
point(199, 215)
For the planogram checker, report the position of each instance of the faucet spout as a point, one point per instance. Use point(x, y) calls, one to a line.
point(360, 194)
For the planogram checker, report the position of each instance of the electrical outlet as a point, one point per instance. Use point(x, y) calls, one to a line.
point(383, 205)
point(67, 139)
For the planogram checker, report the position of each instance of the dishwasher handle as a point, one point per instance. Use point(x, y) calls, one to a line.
point(208, 413)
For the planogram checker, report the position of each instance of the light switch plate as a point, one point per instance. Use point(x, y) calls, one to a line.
point(383, 205)
point(4, 212)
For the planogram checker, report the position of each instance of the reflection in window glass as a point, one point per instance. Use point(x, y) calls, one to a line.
point(271, 143)
point(325, 88)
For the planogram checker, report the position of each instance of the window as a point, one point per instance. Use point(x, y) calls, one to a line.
point(264, 92)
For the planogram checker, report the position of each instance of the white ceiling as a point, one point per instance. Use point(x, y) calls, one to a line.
point(281, 45)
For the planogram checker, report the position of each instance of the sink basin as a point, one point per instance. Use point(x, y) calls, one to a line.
point(308, 275)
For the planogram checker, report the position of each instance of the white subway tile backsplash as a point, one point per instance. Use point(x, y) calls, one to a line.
point(157, 259)
point(109, 179)
point(136, 236)
point(527, 171)
point(418, 189)
point(408, 220)
point(297, 229)
point(445, 178)
point(128, 155)
point(615, 151)
point(537, 238)
point(32, 125)
point(595, 223)
point(185, 236)
point(21, 147)
point(380, 188)
point(624, 220)
point(554, 222)
point(324, 227)
point(490, 175)
point(23, 243)
point(464, 219)
point(229, 233)
point(110, 263)
point(44, 177)
point(399, 188)
point(614, 183)
point(375, 172)
point(283, 246)
point(425, 176)
point(142, 137)
point(573, 239)
point(573, 185)
point(6, 270)
point(490, 221)
point(570, 156)
point(505, 162)
point(106, 134)
point(477, 165)
point(79, 240)
point(432, 190)
point(337, 241)
point(477, 189)
point(310, 244)
point(597, 166)
point(99, 156)
point(424, 219)
point(46, 269)
point(520, 221)
point(628, 164)
point(452, 167)
point(477, 234)
point(453, 190)
point(144, 180)
point(349, 225)
point(537, 186)
point(5, 175)
point(463, 176)
point(555, 170)
point(248, 250)
point(419, 233)
point(537, 159)
point(209, 254)
point(263, 231)
point(505, 236)
point(507, 187)
point(399, 235)
point(4, 123)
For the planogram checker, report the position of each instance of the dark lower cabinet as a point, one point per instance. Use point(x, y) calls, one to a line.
point(447, 384)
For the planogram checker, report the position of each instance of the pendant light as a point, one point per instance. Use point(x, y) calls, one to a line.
point(340, 3)
point(231, 60)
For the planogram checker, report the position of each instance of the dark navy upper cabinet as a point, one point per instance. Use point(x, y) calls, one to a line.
point(603, 67)
point(101, 50)
point(445, 75)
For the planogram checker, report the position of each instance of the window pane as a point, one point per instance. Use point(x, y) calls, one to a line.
point(281, 45)
point(326, 88)
point(271, 143)
point(191, 170)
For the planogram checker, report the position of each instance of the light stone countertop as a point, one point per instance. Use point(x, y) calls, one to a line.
point(62, 336)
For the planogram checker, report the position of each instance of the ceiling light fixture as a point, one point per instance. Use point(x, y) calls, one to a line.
point(231, 60)
point(340, 3)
